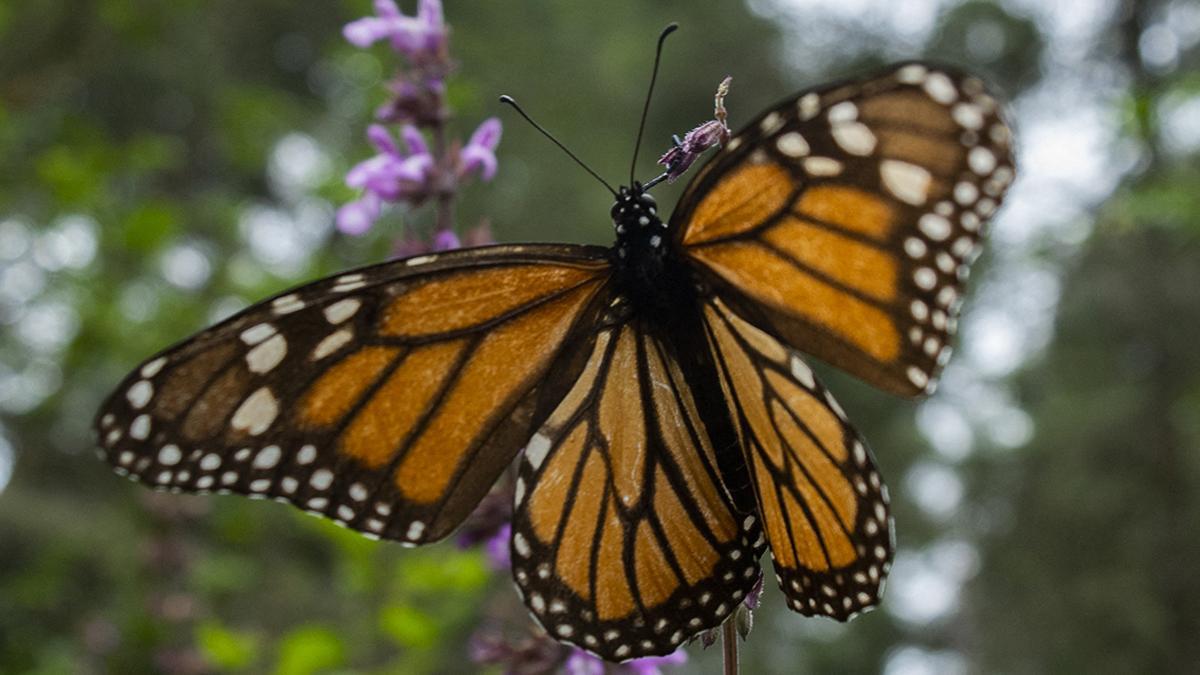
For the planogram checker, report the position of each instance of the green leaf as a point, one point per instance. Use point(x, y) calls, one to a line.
point(225, 648)
point(150, 225)
point(442, 572)
point(409, 626)
point(310, 649)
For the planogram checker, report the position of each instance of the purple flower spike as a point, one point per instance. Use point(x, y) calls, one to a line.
point(358, 216)
point(480, 152)
point(583, 663)
point(414, 140)
point(652, 665)
point(379, 137)
point(446, 240)
point(497, 546)
point(416, 37)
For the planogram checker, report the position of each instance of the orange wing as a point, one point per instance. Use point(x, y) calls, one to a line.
point(625, 540)
point(845, 220)
point(388, 398)
point(823, 504)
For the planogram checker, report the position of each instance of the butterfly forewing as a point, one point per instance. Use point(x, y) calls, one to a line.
point(845, 220)
point(625, 541)
point(823, 504)
point(388, 399)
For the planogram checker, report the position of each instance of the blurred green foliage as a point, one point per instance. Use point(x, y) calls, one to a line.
point(163, 164)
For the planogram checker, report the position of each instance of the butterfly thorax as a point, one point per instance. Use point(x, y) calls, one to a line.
point(646, 272)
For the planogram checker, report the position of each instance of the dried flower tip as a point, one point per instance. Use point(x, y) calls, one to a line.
point(709, 637)
point(714, 132)
point(755, 595)
point(719, 111)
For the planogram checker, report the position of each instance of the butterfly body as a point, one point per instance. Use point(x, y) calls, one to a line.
point(664, 427)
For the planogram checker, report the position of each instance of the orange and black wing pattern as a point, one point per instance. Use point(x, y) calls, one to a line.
point(625, 540)
point(822, 502)
point(845, 220)
point(388, 399)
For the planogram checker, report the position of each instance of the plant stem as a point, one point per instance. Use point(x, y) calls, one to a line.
point(729, 647)
point(445, 188)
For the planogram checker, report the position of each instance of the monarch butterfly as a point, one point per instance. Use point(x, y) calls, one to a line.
point(671, 430)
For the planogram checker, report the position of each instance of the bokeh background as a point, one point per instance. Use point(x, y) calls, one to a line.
point(163, 164)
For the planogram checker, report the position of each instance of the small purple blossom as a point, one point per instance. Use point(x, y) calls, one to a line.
point(480, 152)
point(584, 663)
point(714, 132)
point(497, 548)
point(420, 37)
point(390, 176)
point(651, 665)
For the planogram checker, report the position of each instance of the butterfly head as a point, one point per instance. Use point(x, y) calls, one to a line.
point(635, 211)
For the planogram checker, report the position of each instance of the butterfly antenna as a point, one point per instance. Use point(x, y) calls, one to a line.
point(662, 37)
point(510, 101)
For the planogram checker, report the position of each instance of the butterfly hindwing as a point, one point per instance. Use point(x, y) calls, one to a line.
point(388, 398)
point(625, 541)
point(845, 220)
point(823, 504)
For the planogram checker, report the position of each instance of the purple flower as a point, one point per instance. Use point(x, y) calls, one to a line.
point(678, 159)
point(497, 548)
point(583, 663)
point(480, 152)
point(651, 664)
point(390, 176)
point(422, 37)
point(356, 217)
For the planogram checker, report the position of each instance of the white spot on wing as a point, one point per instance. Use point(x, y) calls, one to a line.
point(257, 333)
point(153, 367)
point(854, 137)
point(981, 160)
point(809, 105)
point(771, 123)
point(332, 342)
point(415, 530)
point(140, 393)
point(287, 304)
point(913, 73)
point(536, 451)
point(940, 88)
point(908, 182)
point(822, 166)
point(342, 310)
point(321, 479)
point(803, 373)
point(169, 455)
point(934, 226)
point(792, 144)
point(256, 413)
point(268, 457)
point(140, 428)
point(267, 355)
